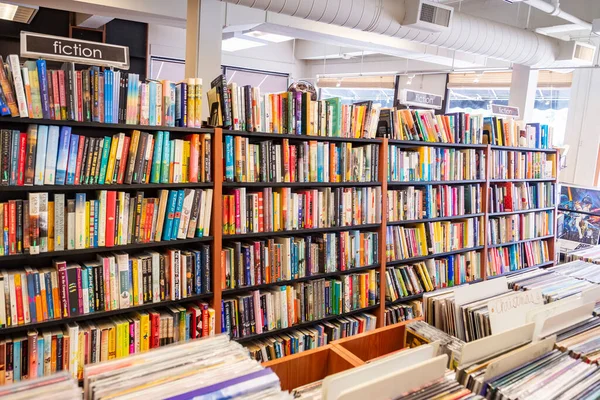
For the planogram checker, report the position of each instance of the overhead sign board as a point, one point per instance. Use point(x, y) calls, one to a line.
point(57, 48)
point(420, 99)
point(505, 111)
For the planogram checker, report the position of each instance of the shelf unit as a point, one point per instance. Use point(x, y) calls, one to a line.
point(217, 239)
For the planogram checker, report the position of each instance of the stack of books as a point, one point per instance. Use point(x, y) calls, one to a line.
point(403, 312)
point(508, 132)
point(72, 346)
point(515, 227)
point(591, 254)
point(426, 126)
point(40, 225)
point(412, 203)
point(449, 345)
point(426, 276)
point(210, 368)
point(59, 385)
point(284, 258)
point(426, 164)
point(112, 281)
point(514, 257)
point(300, 340)
point(424, 239)
point(508, 197)
point(506, 164)
point(274, 210)
point(579, 269)
point(307, 161)
point(285, 306)
point(244, 108)
point(96, 95)
point(52, 155)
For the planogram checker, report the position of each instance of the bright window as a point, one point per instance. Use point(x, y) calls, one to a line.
point(379, 89)
point(167, 68)
point(267, 82)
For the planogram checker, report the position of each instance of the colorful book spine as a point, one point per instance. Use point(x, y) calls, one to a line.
point(51, 155)
point(63, 155)
point(40, 156)
point(72, 161)
point(106, 148)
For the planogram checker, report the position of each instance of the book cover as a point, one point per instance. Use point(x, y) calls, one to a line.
point(111, 212)
point(15, 71)
point(34, 223)
point(166, 159)
point(63, 155)
point(157, 157)
point(34, 83)
point(80, 221)
point(51, 155)
point(22, 159)
point(72, 159)
point(40, 154)
point(43, 197)
point(59, 222)
point(7, 90)
point(106, 148)
point(170, 214)
point(177, 214)
point(14, 157)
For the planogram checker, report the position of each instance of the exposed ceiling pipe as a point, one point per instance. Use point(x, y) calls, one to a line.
point(466, 33)
point(554, 10)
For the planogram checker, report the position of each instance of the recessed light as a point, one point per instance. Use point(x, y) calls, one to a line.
point(269, 37)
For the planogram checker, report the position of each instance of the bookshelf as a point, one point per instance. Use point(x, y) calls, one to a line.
point(218, 241)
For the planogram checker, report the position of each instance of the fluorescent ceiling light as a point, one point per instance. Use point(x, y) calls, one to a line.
point(270, 37)
point(236, 43)
point(17, 12)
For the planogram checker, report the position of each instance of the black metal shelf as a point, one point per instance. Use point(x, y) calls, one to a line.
point(298, 184)
point(426, 183)
point(99, 314)
point(509, 273)
point(512, 148)
point(416, 221)
point(300, 231)
point(521, 241)
point(413, 143)
point(420, 295)
point(227, 292)
point(119, 187)
point(266, 135)
point(93, 250)
point(522, 180)
point(303, 325)
point(427, 257)
point(99, 125)
point(498, 214)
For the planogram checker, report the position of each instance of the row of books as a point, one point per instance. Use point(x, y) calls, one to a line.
point(96, 95)
point(508, 132)
point(517, 256)
point(579, 269)
point(52, 155)
point(281, 307)
point(449, 345)
point(307, 161)
point(212, 368)
point(581, 340)
point(424, 239)
point(285, 258)
point(426, 276)
point(508, 196)
point(515, 227)
point(590, 254)
point(403, 312)
point(521, 165)
point(300, 340)
point(426, 126)
point(285, 210)
point(72, 346)
point(293, 112)
point(39, 225)
point(425, 164)
point(412, 203)
point(113, 281)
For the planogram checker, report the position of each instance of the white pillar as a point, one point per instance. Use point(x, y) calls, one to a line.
point(203, 43)
point(522, 91)
point(582, 133)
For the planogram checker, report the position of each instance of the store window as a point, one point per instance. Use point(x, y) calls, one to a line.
point(268, 82)
point(167, 68)
point(379, 89)
point(476, 92)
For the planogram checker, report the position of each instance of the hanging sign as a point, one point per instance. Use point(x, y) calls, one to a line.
point(57, 48)
point(420, 99)
point(505, 111)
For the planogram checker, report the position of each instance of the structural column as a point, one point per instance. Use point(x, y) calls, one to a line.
point(522, 91)
point(582, 133)
point(203, 43)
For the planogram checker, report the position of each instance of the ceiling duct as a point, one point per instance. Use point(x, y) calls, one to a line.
point(465, 33)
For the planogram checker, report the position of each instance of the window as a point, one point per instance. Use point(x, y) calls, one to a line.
point(268, 82)
point(167, 68)
point(379, 89)
point(475, 93)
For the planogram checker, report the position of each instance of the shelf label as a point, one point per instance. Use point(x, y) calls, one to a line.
point(420, 99)
point(505, 111)
point(510, 311)
point(58, 48)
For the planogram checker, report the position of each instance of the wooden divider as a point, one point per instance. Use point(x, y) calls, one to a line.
point(311, 366)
